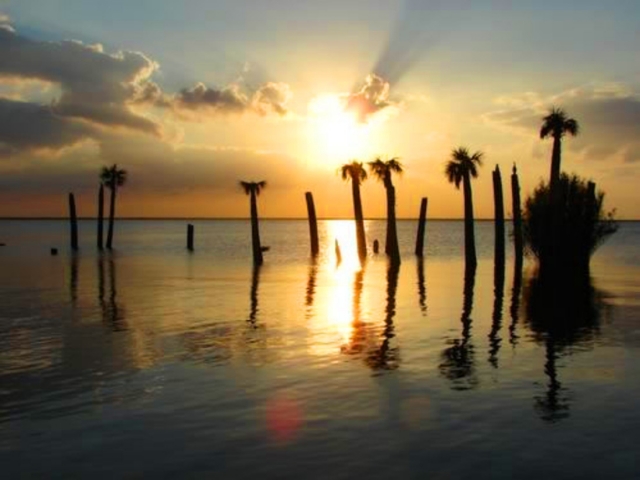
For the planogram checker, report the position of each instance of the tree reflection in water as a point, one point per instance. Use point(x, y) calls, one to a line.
point(113, 313)
point(458, 360)
point(359, 328)
point(385, 357)
point(563, 313)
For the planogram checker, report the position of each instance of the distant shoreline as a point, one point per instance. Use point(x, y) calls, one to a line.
point(280, 219)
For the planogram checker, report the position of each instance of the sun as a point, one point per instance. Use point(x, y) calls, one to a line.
point(335, 133)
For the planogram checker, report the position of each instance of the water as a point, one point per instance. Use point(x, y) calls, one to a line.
point(160, 363)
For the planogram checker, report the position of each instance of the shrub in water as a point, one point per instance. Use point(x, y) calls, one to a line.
point(563, 233)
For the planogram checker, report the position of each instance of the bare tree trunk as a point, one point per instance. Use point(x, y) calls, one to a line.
point(100, 216)
point(357, 209)
point(112, 215)
point(498, 202)
point(421, 227)
point(190, 235)
point(73, 220)
point(469, 235)
point(255, 232)
point(313, 224)
point(517, 217)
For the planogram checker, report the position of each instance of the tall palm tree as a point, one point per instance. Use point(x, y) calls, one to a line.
point(112, 177)
point(355, 172)
point(253, 189)
point(383, 171)
point(461, 168)
point(557, 124)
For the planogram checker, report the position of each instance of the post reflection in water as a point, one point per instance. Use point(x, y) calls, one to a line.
point(253, 296)
point(496, 324)
point(458, 360)
point(562, 314)
point(311, 288)
point(386, 357)
point(113, 313)
point(73, 278)
point(422, 289)
point(514, 309)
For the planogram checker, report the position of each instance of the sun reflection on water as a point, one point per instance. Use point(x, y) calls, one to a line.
point(337, 305)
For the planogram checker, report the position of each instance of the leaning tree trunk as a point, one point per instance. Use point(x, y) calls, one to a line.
point(100, 216)
point(469, 236)
point(392, 248)
point(112, 215)
point(255, 232)
point(357, 210)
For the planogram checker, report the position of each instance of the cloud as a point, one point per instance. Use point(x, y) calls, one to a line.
point(95, 86)
point(608, 114)
point(270, 98)
point(31, 127)
point(372, 98)
point(5, 23)
point(97, 92)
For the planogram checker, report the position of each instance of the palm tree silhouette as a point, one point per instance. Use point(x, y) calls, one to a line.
point(355, 172)
point(112, 177)
point(557, 124)
point(383, 171)
point(253, 189)
point(460, 169)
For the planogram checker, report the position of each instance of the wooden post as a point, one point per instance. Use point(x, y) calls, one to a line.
point(73, 222)
point(100, 216)
point(421, 227)
point(313, 224)
point(517, 216)
point(498, 202)
point(190, 230)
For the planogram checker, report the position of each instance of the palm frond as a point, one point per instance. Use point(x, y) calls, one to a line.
point(378, 169)
point(453, 172)
point(395, 165)
point(354, 171)
point(246, 186)
point(259, 186)
point(572, 127)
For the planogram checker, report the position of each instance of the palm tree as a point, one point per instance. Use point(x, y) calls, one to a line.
point(556, 125)
point(112, 177)
point(355, 172)
point(460, 169)
point(253, 189)
point(383, 171)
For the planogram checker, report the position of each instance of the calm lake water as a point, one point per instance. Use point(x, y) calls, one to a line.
point(154, 362)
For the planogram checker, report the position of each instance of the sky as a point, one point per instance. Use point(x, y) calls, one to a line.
point(191, 97)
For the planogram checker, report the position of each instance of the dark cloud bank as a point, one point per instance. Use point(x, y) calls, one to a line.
point(101, 91)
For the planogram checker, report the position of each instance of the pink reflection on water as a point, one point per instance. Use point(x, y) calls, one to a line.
point(284, 418)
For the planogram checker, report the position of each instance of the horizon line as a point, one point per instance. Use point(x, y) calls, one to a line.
point(446, 219)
